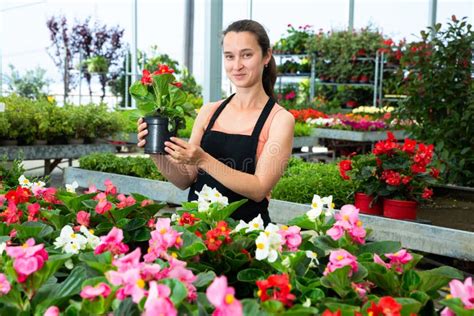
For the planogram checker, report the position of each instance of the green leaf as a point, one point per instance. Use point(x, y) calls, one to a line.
point(301, 311)
point(421, 297)
point(222, 214)
point(302, 221)
point(204, 279)
point(50, 267)
point(250, 275)
point(137, 89)
point(339, 281)
point(94, 307)
point(409, 306)
point(380, 247)
point(410, 280)
point(56, 218)
point(178, 290)
point(134, 224)
point(433, 280)
point(382, 277)
point(101, 263)
point(122, 213)
point(75, 203)
point(273, 306)
point(36, 230)
point(251, 307)
point(127, 308)
point(192, 244)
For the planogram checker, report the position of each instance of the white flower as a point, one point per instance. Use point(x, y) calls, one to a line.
point(3, 246)
point(314, 258)
point(241, 225)
point(72, 187)
point(37, 185)
point(24, 182)
point(217, 197)
point(205, 193)
point(316, 208)
point(175, 218)
point(69, 264)
point(208, 196)
point(70, 241)
point(203, 206)
point(268, 244)
point(255, 224)
point(92, 240)
point(330, 205)
point(307, 303)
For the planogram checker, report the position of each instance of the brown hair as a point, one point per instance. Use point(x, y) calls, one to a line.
point(270, 71)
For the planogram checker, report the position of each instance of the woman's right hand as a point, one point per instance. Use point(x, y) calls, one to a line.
point(142, 132)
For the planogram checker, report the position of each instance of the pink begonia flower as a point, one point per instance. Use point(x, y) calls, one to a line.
point(131, 281)
point(33, 210)
point(379, 260)
point(336, 232)
point(132, 260)
point(464, 291)
point(223, 299)
point(347, 220)
point(125, 201)
point(29, 258)
point(112, 242)
point(5, 286)
point(360, 289)
point(146, 202)
point(109, 187)
point(49, 195)
point(91, 292)
point(12, 214)
point(400, 257)
point(92, 189)
point(52, 311)
point(177, 270)
point(2, 199)
point(103, 205)
point(339, 259)
point(151, 272)
point(162, 238)
point(83, 218)
point(158, 301)
point(291, 237)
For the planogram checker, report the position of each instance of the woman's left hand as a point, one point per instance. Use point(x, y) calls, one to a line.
point(182, 152)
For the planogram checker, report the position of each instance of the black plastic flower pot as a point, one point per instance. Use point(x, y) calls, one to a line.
point(157, 134)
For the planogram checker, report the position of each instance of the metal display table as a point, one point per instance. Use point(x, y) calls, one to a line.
point(52, 154)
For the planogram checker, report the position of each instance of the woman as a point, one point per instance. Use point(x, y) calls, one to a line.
point(240, 145)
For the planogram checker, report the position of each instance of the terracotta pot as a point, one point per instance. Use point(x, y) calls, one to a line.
point(362, 202)
point(399, 209)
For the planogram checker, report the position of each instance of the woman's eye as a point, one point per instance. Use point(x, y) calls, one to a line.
point(247, 55)
point(228, 57)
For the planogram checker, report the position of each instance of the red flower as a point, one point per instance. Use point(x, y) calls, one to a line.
point(406, 180)
point(215, 237)
point(290, 95)
point(146, 80)
point(434, 172)
point(389, 306)
point(328, 312)
point(12, 214)
point(276, 287)
point(418, 168)
point(345, 165)
point(163, 69)
point(427, 193)
point(409, 146)
point(177, 84)
point(187, 219)
point(198, 233)
point(20, 195)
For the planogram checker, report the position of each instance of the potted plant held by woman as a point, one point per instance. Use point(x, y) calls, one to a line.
point(362, 171)
point(162, 104)
point(406, 171)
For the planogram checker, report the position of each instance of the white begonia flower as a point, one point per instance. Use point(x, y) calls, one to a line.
point(203, 206)
point(3, 246)
point(24, 182)
point(268, 244)
point(217, 197)
point(72, 187)
point(69, 241)
point(330, 205)
point(205, 193)
point(207, 196)
point(69, 264)
point(37, 185)
point(255, 224)
point(316, 208)
point(241, 225)
point(175, 218)
point(314, 258)
point(307, 303)
point(92, 240)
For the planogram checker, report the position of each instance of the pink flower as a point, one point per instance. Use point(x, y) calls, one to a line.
point(29, 258)
point(83, 218)
point(178, 270)
point(91, 292)
point(33, 210)
point(2, 199)
point(49, 195)
point(464, 291)
point(222, 297)
point(132, 260)
point(103, 205)
point(339, 259)
point(92, 189)
point(162, 238)
point(52, 311)
point(112, 242)
point(400, 257)
point(336, 232)
point(158, 301)
point(131, 281)
point(146, 202)
point(125, 201)
point(5, 286)
point(348, 221)
point(379, 260)
point(109, 187)
point(291, 237)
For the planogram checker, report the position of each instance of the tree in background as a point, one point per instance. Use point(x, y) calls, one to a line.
point(32, 84)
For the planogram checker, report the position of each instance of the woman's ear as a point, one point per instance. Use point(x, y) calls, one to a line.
point(268, 57)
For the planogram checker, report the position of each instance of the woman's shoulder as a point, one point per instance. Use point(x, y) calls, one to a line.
point(282, 115)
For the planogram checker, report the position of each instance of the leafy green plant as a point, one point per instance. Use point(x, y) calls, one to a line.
point(441, 96)
point(302, 180)
point(132, 166)
point(302, 129)
point(32, 84)
point(9, 173)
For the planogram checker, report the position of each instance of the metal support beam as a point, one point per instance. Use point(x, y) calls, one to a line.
point(250, 9)
point(432, 10)
point(351, 15)
point(212, 51)
point(134, 46)
point(188, 35)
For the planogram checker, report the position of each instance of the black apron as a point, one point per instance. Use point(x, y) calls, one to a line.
point(238, 152)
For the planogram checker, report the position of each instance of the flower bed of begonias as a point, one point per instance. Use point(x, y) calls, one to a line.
point(68, 253)
point(357, 122)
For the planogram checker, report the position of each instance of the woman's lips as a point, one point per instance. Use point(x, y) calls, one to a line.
point(238, 76)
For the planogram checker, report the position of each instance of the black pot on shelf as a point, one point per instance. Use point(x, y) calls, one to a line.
point(158, 133)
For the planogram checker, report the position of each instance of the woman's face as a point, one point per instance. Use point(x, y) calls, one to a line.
point(243, 60)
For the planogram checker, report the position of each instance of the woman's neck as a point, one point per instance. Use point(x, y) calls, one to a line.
point(249, 98)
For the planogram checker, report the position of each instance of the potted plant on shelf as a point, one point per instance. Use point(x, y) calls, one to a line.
point(162, 104)
point(405, 172)
point(362, 171)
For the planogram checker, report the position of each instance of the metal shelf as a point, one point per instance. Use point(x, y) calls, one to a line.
point(371, 85)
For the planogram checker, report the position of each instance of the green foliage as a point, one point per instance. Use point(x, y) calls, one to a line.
point(295, 41)
point(303, 179)
point(131, 166)
point(302, 129)
point(441, 96)
point(32, 84)
point(9, 173)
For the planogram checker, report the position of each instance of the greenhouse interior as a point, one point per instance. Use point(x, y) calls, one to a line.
point(237, 157)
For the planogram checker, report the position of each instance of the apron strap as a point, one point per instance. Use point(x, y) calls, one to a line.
point(263, 118)
point(217, 113)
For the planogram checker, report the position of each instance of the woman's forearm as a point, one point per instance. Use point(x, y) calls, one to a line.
point(180, 175)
